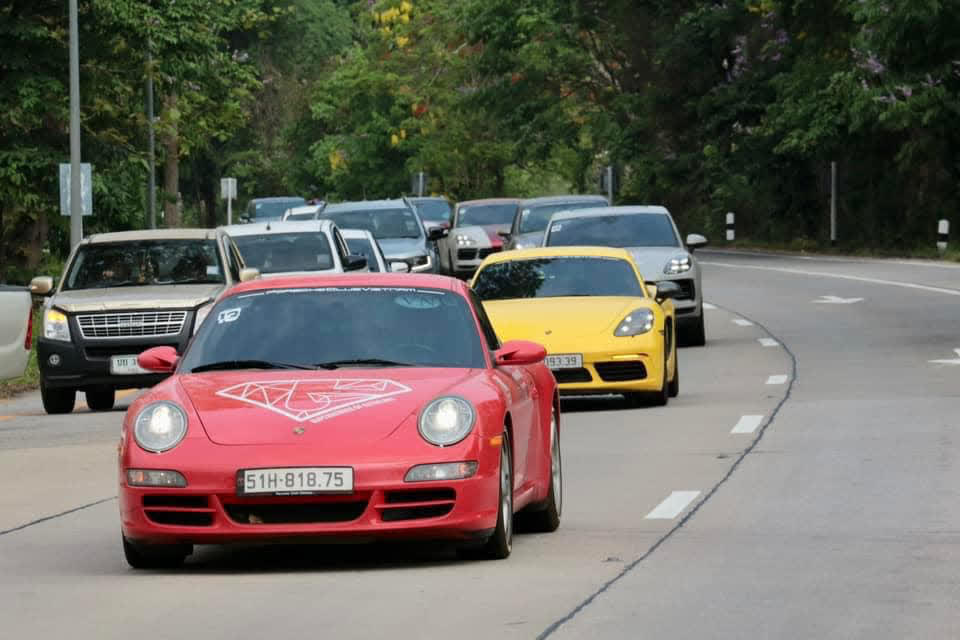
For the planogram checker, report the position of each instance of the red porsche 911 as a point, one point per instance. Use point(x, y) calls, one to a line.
point(369, 406)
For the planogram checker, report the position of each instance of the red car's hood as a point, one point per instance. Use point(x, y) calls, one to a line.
point(309, 407)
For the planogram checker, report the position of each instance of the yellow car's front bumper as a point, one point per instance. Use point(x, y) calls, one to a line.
point(624, 365)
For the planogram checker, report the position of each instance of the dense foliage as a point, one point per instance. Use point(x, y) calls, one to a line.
point(706, 107)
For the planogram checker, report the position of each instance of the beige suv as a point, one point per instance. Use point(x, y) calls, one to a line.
point(122, 293)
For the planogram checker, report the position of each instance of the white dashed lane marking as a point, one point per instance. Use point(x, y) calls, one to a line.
point(778, 379)
point(742, 322)
point(747, 424)
point(673, 506)
point(768, 342)
point(709, 307)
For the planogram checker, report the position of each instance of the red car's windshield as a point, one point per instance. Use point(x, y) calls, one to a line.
point(324, 326)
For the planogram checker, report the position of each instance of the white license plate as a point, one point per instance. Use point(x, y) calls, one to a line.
point(565, 361)
point(125, 366)
point(295, 480)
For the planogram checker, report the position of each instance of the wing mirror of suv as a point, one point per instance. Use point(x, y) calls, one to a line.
point(663, 290)
point(159, 359)
point(695, 241)
point(520, 352)
point(354, 262)
point(249, 273)
point(41, 285)
point(436, 233)
point(399, 266)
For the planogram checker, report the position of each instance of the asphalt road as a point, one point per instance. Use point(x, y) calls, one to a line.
point(805, 484)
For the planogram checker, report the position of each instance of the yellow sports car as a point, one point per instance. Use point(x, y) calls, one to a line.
point(605, 331)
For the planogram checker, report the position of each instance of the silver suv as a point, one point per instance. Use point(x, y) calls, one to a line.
point(121, 294)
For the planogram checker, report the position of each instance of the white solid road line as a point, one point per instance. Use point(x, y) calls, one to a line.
point(803, 272)
point(778, 379)
point(768, 342)
point(742, 322)
point(709, 307)
point(673, 506)
point(747, 424)
point(953, 361)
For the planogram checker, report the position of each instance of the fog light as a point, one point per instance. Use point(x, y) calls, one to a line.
point(443, 471)
point(54, 360)
point(154, 478)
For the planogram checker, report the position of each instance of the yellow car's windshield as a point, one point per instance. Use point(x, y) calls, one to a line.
point(558, 277)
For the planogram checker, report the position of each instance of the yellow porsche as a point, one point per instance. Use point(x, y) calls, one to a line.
point(605, 331)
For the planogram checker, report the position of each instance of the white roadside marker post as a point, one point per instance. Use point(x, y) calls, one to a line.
point(731, 233)
point(943, 232)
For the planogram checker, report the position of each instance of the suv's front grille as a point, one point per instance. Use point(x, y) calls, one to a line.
point(132, 325)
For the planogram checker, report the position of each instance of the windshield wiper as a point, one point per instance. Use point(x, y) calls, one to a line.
point(376, 362)
point(249, 364)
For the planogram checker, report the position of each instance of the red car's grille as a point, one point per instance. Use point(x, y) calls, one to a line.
point(416, 504)
point(297, 510)
point(182, 511)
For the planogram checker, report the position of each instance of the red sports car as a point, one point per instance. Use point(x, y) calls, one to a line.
point(369, 406)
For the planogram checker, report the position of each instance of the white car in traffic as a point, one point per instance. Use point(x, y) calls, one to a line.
point(291, 248)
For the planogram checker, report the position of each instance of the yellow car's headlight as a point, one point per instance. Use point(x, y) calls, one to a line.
point(639, 321)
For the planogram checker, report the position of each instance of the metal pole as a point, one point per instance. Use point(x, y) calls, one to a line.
point(610, 183)
point(229, 209)
point(833, 204)
point(76, 195)
point(152, 162)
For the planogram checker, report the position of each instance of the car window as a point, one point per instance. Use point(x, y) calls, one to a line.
point(433, 210)
point(362, 247)
point(489, 334)
point(286, 252)
point(638, 230)
point(145, 262)
point(272, 209)
point(558, 277)
point(535, 217)
point(485, 214)
point(382, 223)
point(419, 326)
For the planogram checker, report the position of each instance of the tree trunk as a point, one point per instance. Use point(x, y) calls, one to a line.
point(171, 164)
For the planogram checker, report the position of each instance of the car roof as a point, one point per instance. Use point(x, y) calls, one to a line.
point(366, 205)
point(603, 212)
point(152, 234)
point(277, 226)
point(483, 201)
point(376, 279)
point(356, 234)
point(561, 199)
point(428, 198)
point(307, 208)
point(558, 252)
point(279, 199)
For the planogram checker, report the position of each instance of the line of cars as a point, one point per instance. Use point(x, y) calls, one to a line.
point(294, 394)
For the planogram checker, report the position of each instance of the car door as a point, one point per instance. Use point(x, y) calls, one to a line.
point(15, 325)
point(523, 402)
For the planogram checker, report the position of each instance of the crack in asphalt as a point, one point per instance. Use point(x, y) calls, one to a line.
point(57, 515)
point(555, 626)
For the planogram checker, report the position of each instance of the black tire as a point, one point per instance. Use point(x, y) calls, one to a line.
point(57, 401)
point(155, 556)
point(694, 333)
point(674, 388)
point(544, 517)
point(100, 399)
point(499, 545)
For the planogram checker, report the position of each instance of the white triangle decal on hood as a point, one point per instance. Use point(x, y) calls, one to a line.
point(303, 400)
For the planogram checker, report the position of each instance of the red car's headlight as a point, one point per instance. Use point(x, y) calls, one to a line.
point(447, 421)
point(160, 426)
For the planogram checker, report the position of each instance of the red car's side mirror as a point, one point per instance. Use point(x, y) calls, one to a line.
point(159, 359)
point(520, 352)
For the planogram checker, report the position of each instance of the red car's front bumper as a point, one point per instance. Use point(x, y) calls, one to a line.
point(382, 505)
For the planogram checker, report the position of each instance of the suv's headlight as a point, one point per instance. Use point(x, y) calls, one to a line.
point(463, 240)
point(160, 426)
point(639, 321)
point(421, 263)
point(201, 315)
point(447, 421)
point(55, 325)
point(678, 264)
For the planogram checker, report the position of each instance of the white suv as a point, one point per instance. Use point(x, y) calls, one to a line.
point(288, 248)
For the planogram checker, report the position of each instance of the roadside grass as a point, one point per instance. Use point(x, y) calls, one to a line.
point(30, 380)
point(805, 246)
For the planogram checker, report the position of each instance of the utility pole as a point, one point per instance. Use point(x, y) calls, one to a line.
point(76, 195)
point(833, 204)
point(151, 161)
